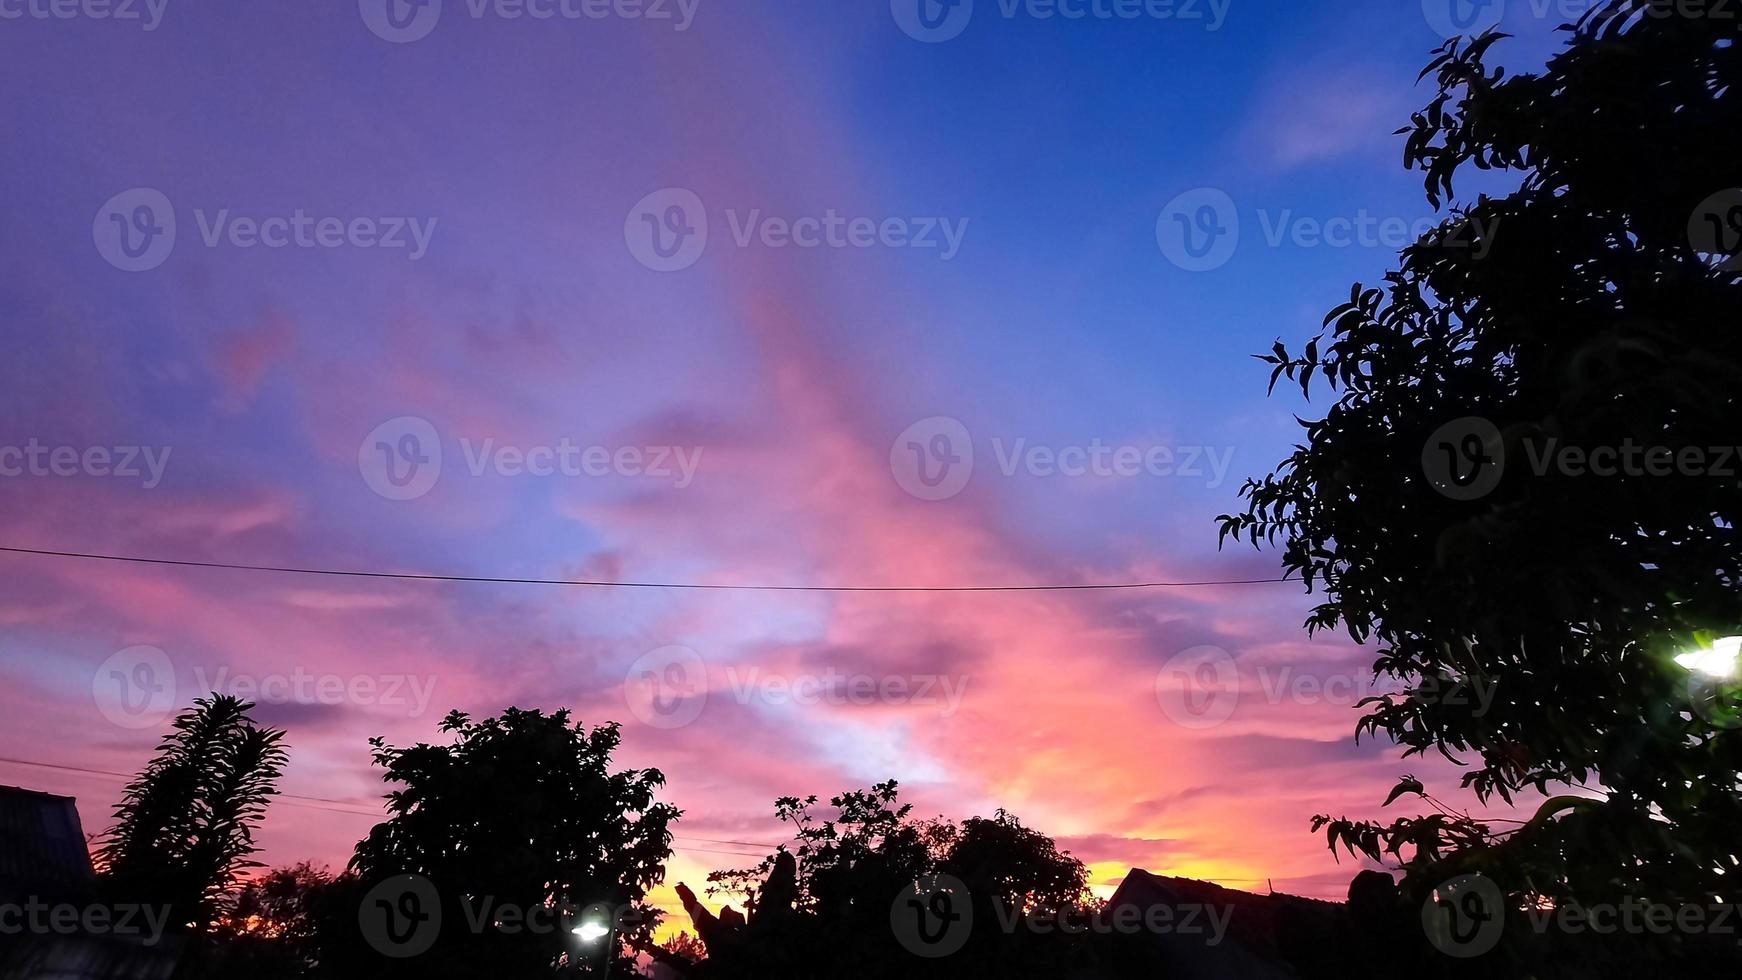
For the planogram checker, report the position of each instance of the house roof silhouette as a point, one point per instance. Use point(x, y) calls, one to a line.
point(44, 858)
point(1268, 937)
point(42, 845)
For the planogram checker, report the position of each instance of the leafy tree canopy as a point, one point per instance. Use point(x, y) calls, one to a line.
point(184, 829)
point(523, 811)
point(828, 901)
point(1602, 313)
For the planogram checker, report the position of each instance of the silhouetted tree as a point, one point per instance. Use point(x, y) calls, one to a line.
point(1000, 858)
point(185, 827)
point(1603, 312)
point(685, 946)
point(871, 844)
point(829, 901)
point(272, 926)
point(519, 812)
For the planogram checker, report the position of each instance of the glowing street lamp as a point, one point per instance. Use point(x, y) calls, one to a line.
point(1722, 662)
point(592, 932)
point(598, 925)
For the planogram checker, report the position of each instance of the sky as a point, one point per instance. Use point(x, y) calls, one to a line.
point(851, 293)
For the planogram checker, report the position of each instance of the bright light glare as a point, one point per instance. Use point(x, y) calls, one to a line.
point(1720, 661)
point(591, 932)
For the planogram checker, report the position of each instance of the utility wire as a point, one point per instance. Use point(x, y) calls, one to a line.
point(284, 796)
point(341, 806)
point(317, 803)
point(313, 802)
point(592, 583)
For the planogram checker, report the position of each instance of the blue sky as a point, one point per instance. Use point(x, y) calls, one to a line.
point(528, 150)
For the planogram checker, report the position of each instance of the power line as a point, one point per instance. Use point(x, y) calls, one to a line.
point(594, 583)
point(313, 802)
point(316, 803)
point(709, 850)
point(743, 843)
